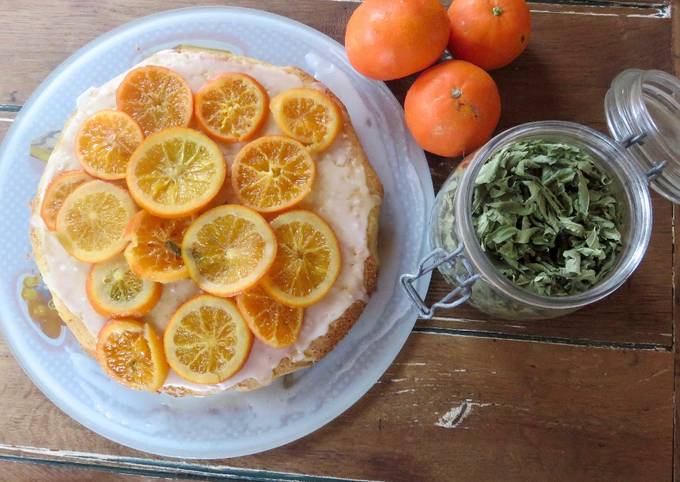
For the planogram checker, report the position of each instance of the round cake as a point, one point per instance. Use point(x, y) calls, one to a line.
point(346, 193)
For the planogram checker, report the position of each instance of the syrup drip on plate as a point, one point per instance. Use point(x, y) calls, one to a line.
point(40, 306)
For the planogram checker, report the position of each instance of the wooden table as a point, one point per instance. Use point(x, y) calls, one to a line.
point(587, 397)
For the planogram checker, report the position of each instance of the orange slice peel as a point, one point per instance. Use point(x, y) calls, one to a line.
point(271, 322)
point(308, 259)
point(176, 172)
point(114, 290)
point(155, 249)
point(92, 221)
point(272, 173)
point(228, 249)
point(105, 142)
point(207, 340)
point(132, 354)
point(232, 107)
point(156, 98)
point(308, 115)
point(56, 193)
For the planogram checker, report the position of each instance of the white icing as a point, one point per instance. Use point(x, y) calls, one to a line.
point(340, 195)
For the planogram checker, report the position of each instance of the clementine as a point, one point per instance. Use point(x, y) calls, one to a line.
point(489, 33)
point(452, 108)
point(387, 40)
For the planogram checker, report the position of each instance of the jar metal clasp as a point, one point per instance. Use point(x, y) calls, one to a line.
point(632, 139)
point(459, 295)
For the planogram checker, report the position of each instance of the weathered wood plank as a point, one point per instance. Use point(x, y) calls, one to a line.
point(524, 410)
point(676, 293)
point(27, 471)
point(471, 407)
point(549, 81)
point(30, 57)
point(641, 312)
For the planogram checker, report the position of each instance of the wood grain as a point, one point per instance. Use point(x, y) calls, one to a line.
point(31, 471)
point(517, 410)
point(529, 411)
point(676, 293)
point(568, 81)
point(639, 313)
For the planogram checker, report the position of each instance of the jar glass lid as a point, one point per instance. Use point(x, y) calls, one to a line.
point(643, 114)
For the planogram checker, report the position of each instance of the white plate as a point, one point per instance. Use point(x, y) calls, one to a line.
point(231, 424)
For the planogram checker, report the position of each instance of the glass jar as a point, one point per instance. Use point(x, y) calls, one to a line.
point(643, 115)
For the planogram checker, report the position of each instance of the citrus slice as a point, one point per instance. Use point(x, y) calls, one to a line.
point(271, 322)
point(57, 190)
point(232, 108)
point(155, 97)
point(105, 143)
point(308, 115)
point(115, 291)
point(155, 249)
point(228, 249)
point(207, 340)
point(175, 172)
point(307, 262)
point(272, 173)
point(132, 354)
point(91, 223)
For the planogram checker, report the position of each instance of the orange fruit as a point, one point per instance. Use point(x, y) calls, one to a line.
point(452, 108)
point(155, 97)
point(272, 173)
point(489, 34)
point(207, 340)
point(131, 353)
point(271, 322)
point(176, 172)
point(115, 291)
point(387, 40)
point(228, 249)
point(91, 223)
point(57, 190)
point(155, 249)
point(105, 143)
point(232, 107)
point(307, 262)
point(308, 115)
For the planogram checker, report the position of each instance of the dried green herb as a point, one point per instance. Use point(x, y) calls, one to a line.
point(547, 216)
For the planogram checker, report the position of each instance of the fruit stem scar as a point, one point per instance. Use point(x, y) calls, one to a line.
point(497, 11)
point(456, 93)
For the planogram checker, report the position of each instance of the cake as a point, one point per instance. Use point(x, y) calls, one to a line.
point(346, 193)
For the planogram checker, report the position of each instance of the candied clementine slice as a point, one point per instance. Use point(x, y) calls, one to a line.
point(228, 249)
point(155, 249)
point(207, 340)
point(272, 173)
point(115, 290)
point(57, 190)
point(91, 223)
point(176, 172)
point(232, 107)
point(105, 143)
point(271, 322)
point(307, 262)
point(308, 115)
point(132, 354)
point(155, 97)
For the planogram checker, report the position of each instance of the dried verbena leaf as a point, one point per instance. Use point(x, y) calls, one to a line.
point(547, 216)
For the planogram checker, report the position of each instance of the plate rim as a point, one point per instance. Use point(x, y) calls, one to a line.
point(65, 401)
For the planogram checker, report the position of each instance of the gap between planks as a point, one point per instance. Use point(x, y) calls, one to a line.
point(491, 334)
point(655, 10)
point(554, 340)
point(155, 468)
